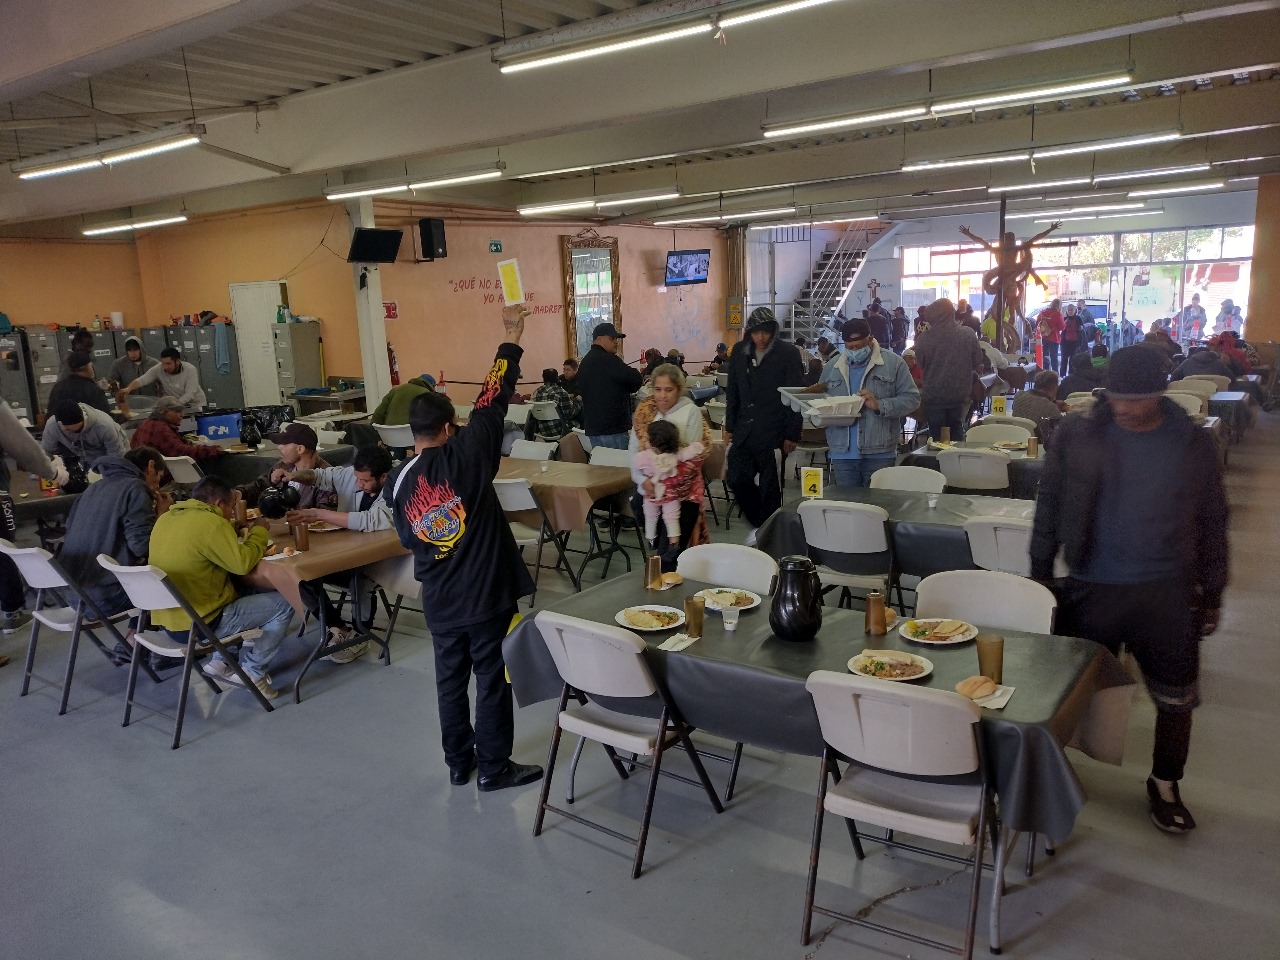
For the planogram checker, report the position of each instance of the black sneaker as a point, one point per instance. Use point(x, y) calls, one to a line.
point(512, 775)
point(460, 776)
point(1169, 815)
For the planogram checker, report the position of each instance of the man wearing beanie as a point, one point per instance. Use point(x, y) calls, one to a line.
point(950, 356)
point(1146, 572)
point(78, 385)
point(756, 421)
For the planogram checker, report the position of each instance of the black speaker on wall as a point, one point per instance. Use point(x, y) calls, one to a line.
point(432, 233)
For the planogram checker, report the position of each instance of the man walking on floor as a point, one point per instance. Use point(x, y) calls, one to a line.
point(606, 384)
point(1147, 572)
point(950, 357)
point(465, 557)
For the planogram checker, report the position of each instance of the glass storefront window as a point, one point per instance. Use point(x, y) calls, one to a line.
point(1204, 244)
point(1237, 242)
point(1135, 247)
point(1100, 248)
point(1052, 256)
point(1169, 245)
point(978, 260)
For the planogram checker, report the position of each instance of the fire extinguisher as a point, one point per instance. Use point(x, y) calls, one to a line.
point(395, 366)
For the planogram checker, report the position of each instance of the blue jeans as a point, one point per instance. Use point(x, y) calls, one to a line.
point(268, 612)
point(952, 417)
point(857, 473)
point(617, 441)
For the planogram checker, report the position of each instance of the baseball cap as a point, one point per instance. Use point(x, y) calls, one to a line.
point(606, 330)
point(296, 433)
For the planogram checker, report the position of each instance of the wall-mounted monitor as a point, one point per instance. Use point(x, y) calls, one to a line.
point(369, 245)
point(687, 266)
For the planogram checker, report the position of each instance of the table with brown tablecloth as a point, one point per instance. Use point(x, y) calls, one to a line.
point(749, 686)
point(566, 491)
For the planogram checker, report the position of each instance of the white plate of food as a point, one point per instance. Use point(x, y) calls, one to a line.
point(1009, 445)
point(649, 617)
point(890, 665)
point(937, 631)
point(717, 598)
point(321, 526)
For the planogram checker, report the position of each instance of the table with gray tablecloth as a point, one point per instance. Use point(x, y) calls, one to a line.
point(749, 686)
point(1024, 471)
point(1233, 407)
point(925, 540)
point(240, 468)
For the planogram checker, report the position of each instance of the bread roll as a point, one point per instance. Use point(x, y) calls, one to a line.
point(672, 579)
point(975, 688)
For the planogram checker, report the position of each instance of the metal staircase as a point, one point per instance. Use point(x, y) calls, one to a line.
point(833, 277)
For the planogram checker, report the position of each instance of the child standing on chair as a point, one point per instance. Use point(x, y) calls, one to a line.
point(674, 471)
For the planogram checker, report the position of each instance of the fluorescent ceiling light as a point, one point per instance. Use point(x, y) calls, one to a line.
point(727, 217)
point(491, 171)
point(106, 228)
point(910, 211)
point(53, 170)
point(1242, 179)
point(1103, 216)
point(558, 207)
point(137, 153)
point(366, 190)
point(843, 123)
point(765, 12)
point(1066, 211)
point(116, 150)
point(924, 165)
point(1104, 145)
point(1188, 188)
point(1037, 93)
point(614, 47)
point(1162, 172)
point(637, 198)
point(1043, 185)
point(809, 223)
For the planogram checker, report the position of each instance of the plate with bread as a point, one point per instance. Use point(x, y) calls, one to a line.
point(890, 665)
point(937, 631)
point(717, 598)
point(650, 617)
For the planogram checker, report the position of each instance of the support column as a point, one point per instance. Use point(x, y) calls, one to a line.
point(373, 330)
point(1264, 280)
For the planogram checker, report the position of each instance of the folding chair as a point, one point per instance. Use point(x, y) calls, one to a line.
point(183, 470)
point(988, 597)
point(392, 577)
point(916, 479)
point(516, 496)
point(975, 469)
point(614, 517)
point(533, 450)
point(596, 660)
point(989, 432)
point(149, 588)
point(850, 544)
point(917, 767)
point(44, 575)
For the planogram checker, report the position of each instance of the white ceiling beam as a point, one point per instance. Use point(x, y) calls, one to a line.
point(410, 19)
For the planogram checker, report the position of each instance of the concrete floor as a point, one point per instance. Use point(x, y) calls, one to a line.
point(329, 830)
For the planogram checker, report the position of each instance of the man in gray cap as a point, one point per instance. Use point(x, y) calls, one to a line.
point(756, 421)
point(1145, 571)
point(606, 384)
point(950, 357)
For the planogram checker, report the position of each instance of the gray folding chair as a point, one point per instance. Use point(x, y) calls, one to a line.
point(516, 496)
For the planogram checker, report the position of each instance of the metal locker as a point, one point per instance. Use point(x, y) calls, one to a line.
point(120, 337)
point(104, 353)
point(183, 339)
point(224, 390)
point(154, 341)
point(16, 388)
point(43, 349)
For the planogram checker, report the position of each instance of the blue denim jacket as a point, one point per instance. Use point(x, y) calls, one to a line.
point(889, 381)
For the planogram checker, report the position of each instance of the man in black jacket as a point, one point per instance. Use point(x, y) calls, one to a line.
point(448, 515)
point(756, 420)
point(606, 384)
point(1147, 572)
point(79, 385)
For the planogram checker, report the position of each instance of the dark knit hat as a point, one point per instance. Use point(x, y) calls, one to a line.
point(940, 310)
point(760, 318)
point(1137, 372)
point(78, 361)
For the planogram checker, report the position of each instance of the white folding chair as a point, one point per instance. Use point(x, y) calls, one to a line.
point(988, 432)
point(610, 457)
point(994, 418)
point(987, 598)
point(149, 588)
point(975, 469)
point(916, 479)
point(729, 565)
point(850, 544)
point(917, 768)
point(1000, 543)
point(1080, 403)
point(330, 436)
point(46, 577)
point(1081, 395)
point(598, 660)
point(715, 412)
point(532, 450)
point(392, 577)
point(395, 436)
point(722, 380)
point(183, 470)
point(1196, 385)
point(583, 439)
point(1190, 402)
point(700, 380)
point(546, 411)
point(608, 511)
point(1220, 383)
point(516, 496)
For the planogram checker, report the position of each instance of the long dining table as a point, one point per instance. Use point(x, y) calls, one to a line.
point(1024, 471)
point(749, 686)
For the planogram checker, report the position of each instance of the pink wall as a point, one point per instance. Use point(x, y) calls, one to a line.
point(449, 310)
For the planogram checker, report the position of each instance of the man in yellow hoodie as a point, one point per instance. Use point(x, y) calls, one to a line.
point(195, 543)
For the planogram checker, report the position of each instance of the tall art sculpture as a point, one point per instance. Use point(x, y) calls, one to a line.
point(1007, 281)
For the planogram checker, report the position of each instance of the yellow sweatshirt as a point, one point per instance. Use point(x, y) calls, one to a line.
point(197, 547)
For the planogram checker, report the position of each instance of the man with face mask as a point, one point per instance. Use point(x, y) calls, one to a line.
point(883, 380)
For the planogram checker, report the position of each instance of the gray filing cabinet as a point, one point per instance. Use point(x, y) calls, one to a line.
point(16, 388)
point(104, 353)
point(43, 349)
point(120, 336)
point(154, 340)
point(223, 390)
point(297, 356)
point(183, 339)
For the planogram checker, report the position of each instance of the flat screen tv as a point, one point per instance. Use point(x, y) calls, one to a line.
point(687, 266)
point(369, 245)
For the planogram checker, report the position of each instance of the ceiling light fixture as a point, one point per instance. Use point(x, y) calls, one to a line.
point(560, 206)
point(117, 150)
point(1021, 96)
point(911, 211)
point(1043, 185)
point(489, 171)
point(1103, 216)
point(374, 189)
point(727, 217)
point(809, 223)
point(925, 165)
point(1161, 172)
point(842, 123)
point(1099, 145)
point(1188, 188)
point(633, 199)
point(1067, 211)
point(106, 228)
point(751, 16)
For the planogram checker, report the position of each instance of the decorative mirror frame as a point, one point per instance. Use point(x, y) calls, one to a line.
point(587, 239)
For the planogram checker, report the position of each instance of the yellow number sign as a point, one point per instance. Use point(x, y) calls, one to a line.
point(512, 286)
point(811, 481)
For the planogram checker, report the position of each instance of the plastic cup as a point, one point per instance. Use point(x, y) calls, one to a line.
point(933, 501)
point(730, 615)
point(544, 466)
point(991, 656)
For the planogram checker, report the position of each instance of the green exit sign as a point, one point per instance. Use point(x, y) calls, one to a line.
point(495, 246)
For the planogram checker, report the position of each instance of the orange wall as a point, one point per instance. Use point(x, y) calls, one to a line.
point(1264, 280)
point(449, 310)
point(68, 282)
point(188, 268)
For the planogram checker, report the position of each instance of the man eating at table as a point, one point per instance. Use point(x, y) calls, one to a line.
point(1146, 572)
point(361, 507)
point(296, 444)
point(472, 575)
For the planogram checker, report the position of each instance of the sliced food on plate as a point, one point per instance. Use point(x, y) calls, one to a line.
point(650, 618)
point(890, 665)
point(322, 526)
point(717, 598)
point(938, 630)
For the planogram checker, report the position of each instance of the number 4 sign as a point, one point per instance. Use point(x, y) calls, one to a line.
point(811, 482)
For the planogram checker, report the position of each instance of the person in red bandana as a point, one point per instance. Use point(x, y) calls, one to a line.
point(471, 571)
